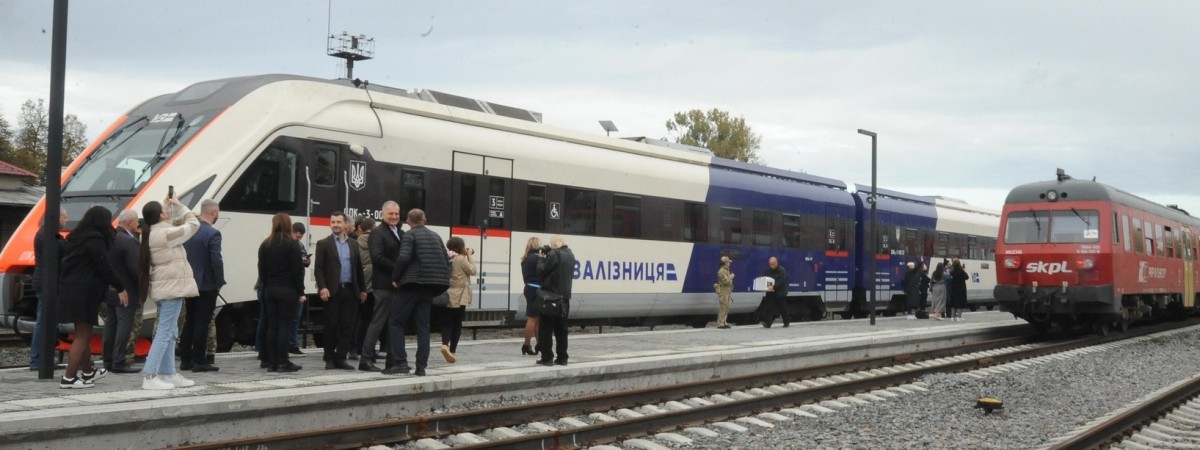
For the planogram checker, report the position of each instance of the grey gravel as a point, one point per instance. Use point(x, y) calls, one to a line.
point(1040, 403)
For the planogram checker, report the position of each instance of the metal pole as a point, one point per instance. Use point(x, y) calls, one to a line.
point(874, 241)
point(874, 231)
point(58, 62)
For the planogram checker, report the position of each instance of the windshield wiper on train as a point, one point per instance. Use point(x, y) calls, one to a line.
point(1036, 221)
point(1080, 216)
point(103, 150)
point(158, 154)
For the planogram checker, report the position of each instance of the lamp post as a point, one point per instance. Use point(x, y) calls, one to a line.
point(874, 226)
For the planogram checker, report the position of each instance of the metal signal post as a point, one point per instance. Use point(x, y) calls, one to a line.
point(874, 225)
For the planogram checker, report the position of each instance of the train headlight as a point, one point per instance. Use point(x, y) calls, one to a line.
point(1052, 195)
point(1012, 262)
point(1085, 263)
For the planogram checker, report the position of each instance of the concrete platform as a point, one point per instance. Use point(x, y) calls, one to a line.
point(244, 401)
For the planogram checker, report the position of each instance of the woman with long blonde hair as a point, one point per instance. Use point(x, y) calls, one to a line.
point(529, 262)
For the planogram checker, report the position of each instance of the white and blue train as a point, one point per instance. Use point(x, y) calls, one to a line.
point(648, 220)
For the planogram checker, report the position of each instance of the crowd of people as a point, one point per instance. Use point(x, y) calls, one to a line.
point(372, 282)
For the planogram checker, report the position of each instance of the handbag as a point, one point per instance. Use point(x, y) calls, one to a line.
point(442, 300)
point(550, 304)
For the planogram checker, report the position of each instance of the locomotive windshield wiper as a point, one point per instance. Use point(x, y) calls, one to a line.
point(104, 151)
point(179, 129)
point(1036, 221)
point(1080, 216)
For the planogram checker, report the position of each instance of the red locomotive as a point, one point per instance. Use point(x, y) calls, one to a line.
point(1076, 252)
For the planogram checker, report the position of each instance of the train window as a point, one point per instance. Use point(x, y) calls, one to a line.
point(581, 211)
point(1116, 233)
point(1139, 241)
point(1125, 232)
point(731, 226)
point(761, 223)
point(940, 250)
point(413, 195)
point(467, 185)
point(1027, 227)
point(627, 216)
point(1178, 243)
point(269, 184)
point(792, 233)
point(1169, 242)
point(909, 243)
point(973, 249)
point(695, 222)
point(1075, 226)
point(1158, 239)
point(325, 169)
point(535, 208)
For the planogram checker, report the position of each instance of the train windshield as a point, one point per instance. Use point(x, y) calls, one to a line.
point(128, 158)
point(1058, 226)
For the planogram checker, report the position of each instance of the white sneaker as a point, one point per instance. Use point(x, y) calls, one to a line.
point(961, 319)
point(178, 380)
point(156, 384)
point(911, 317)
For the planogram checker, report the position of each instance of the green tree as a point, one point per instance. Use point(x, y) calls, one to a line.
point(727, 136)
point(6, 141)
point(30, 142)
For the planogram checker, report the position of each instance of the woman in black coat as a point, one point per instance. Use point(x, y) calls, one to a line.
point(85, 276)
point(912, 290)
point(281, 270)
point(958, 290)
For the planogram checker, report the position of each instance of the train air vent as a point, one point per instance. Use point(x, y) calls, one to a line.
point(443, 98)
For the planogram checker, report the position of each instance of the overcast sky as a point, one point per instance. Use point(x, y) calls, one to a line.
point(969, 98)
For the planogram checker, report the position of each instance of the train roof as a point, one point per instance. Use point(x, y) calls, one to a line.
point(1070, 189)
point(738, 166)
point(865, 190)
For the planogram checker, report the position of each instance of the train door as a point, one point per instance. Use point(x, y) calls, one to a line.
point(837, 254)
point(480, 199)
point(326, 188)
point(1189, 275)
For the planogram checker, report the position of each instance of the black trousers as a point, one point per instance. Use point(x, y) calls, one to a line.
point(341, 311)
point(282, 304)
point(117, 329)
point(552, 326)
point(193, 339)
point(776, 306)
point(365, 311)
point(414, 303)
point(452, 320)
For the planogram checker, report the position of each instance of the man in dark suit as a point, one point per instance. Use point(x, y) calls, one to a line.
point(556, 269)
point(385, 248)
point(125, 258)
point(204, 255)
point(340, 282)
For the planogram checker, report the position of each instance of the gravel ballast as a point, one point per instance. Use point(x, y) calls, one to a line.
point(1040, 403)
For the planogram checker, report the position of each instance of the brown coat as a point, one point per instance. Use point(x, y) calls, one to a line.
point(462, 268)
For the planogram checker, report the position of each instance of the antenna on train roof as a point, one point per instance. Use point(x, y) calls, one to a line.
point(1062, 175)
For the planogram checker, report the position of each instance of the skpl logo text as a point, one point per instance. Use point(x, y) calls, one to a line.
point(1048, 268)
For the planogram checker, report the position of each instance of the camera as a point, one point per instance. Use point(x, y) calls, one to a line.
point(546, 249)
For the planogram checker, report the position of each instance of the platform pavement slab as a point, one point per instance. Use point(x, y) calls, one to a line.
point(28, 404)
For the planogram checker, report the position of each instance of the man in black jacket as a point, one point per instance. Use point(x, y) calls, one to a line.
point(208, 268)
point(777, 292)
point(125, 257)
point(339, 272)
point(422, 271)
point(384, 244)
point(557, 270)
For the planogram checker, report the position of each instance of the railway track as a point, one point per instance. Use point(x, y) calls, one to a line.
point(736, 397)
point(1167, 418)
point(11, 341)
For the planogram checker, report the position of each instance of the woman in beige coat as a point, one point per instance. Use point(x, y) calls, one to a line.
point(166, 278)
point(462, 268)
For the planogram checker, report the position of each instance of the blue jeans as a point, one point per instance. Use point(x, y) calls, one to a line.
point(161, 359)
point(296, 327)
point(35, 353)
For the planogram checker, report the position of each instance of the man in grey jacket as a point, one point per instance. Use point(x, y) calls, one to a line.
point(422, 272)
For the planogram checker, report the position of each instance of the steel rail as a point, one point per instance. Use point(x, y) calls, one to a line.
point(441, 425)
point(1131, 420)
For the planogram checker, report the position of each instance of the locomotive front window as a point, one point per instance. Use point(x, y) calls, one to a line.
point(1075, 226)
point(129, 157)
point(1027, 227)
